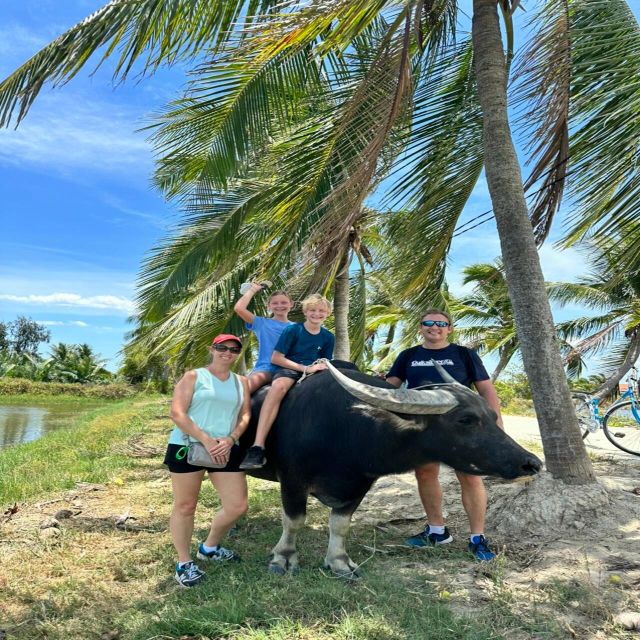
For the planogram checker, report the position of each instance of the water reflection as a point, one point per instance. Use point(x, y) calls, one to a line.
point(24, 424)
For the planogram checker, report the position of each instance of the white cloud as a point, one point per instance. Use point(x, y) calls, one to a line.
point(18, 42)
point(113, 303)
point(562, 266)
point(119, 205)
point(66, 132)
point(60, 323)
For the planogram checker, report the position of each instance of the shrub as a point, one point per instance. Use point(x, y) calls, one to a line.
point(18, 386)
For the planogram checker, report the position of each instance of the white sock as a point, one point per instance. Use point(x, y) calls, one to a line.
point(181, 564)
point(436, 528)
point(209, 549)
point(474, 535)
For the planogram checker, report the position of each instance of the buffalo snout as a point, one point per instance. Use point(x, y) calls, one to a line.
point(531, 465)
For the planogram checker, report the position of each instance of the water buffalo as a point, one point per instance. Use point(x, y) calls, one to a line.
point(340, 430)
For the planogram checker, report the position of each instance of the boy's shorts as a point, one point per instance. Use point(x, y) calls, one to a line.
point(281, 372)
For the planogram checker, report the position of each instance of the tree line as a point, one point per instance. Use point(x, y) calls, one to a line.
point(20, 344)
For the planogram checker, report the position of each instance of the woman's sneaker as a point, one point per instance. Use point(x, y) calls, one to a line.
point(480, 548)
point(188, 575)
point(426, 539)
point(219, 554)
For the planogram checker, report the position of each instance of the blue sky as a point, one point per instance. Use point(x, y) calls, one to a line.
point(77, 208)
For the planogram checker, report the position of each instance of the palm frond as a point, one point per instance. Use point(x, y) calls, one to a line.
point(227, 118)
point(437, 173)
point(588, 295)
point(605, 112)
point(543, 78)
point(154, 31)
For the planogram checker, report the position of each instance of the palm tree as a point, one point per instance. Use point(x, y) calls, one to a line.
point(615, 293)
point(390, 81)
point(77, 363)
point(486, 314)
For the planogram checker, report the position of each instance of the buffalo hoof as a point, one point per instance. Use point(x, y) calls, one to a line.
point(277, 569)
point(345, 574)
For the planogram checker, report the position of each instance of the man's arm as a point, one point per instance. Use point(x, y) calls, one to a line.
point(488, 392)
point(396, 382)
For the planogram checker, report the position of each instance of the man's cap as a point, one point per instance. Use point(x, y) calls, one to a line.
point(223, 337)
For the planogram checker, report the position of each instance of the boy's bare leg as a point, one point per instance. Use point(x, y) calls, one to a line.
point(270, 406)
point(258, 379)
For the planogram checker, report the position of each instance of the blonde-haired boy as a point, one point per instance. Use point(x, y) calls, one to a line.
point(299, 346)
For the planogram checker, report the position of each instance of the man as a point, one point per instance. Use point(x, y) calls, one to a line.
point(415, 367)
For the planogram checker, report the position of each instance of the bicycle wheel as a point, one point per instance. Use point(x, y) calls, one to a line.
point(621, 427)
point(583, 413)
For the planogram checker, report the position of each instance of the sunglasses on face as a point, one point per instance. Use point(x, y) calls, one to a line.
point(221, 348)
point(438, 323)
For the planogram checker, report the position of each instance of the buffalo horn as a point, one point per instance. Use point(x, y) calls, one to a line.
point(397, 400)
point(447, 377)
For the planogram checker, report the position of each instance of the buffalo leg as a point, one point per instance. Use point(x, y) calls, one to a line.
point(294, 512)
point(337, 558)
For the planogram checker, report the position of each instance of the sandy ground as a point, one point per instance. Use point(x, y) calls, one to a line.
point(552, 534)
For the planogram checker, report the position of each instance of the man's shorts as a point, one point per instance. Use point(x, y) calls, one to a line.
point(177, 465)
point(281, 372)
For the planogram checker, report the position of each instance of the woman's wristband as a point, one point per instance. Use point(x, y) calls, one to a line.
point(233, 440)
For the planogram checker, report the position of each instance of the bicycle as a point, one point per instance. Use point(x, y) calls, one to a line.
point(621, 421)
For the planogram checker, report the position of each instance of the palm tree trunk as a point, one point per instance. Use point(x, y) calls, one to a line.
point(342, 350)
point(565, 453)
point(391, 334)
point(505, 356)
point(633, 354)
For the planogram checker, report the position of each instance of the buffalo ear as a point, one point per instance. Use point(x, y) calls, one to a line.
point(397, 422)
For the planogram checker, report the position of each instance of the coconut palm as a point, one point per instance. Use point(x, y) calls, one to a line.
point(615, 293)
point(77, 363)
point(388, 74)
point(486, 314)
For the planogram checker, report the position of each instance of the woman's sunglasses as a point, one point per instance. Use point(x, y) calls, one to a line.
point(223, 347)
point(438, 323)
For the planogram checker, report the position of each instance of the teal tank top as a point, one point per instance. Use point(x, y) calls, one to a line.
point(214, 405)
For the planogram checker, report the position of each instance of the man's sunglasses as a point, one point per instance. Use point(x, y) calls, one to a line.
point(223, 347)
point(438, 323)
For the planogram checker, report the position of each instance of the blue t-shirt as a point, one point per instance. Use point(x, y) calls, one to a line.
point(297, 344)
point(414, 365)
point(268, 331)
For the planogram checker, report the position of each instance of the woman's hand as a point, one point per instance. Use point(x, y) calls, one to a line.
point(220, 448)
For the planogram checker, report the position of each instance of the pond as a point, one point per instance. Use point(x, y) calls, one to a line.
point(24, 423)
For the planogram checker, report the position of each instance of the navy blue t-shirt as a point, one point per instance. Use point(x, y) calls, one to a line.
point(414, 365)
point(297, 344)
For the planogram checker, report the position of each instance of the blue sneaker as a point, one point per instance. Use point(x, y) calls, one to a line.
point(480, 548)
point(219, 554)
point(426, 539)
point(188, 575)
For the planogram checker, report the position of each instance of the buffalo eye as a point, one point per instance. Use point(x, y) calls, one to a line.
point(468, 419)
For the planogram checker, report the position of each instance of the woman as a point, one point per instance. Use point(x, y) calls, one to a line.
point(415, 366)
point(267, 330)
point(210, 405)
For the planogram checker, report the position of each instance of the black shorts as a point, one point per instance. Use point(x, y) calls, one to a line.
point(182, 466)
point(281, 372)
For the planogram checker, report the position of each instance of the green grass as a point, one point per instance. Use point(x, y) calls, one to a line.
point(95, 579)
